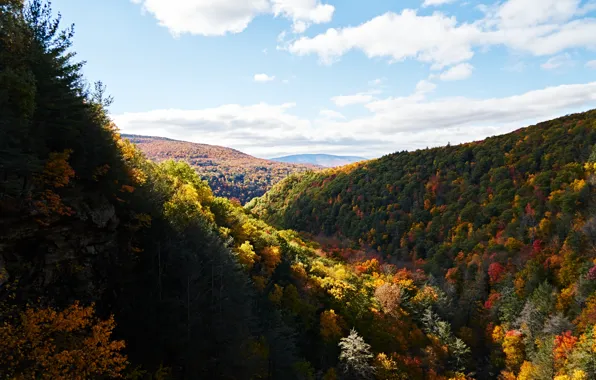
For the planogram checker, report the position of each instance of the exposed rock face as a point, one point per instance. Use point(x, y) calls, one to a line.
point(60, 258)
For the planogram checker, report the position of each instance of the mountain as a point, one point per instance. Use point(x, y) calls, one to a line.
point(474, 261)
point(230, 173)
point(325, 160)
point(504, 226)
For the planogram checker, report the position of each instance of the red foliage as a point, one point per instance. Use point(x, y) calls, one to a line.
point(564, 343)
point(536, 247)
point(495, 272)
point(494, 297)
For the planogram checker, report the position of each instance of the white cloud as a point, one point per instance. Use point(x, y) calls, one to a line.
point(538, 27)
point(436, 39)
point(458, 72)
point(303, 12)
point(394, 124)
point(523, 13)
point(348, 100)
point(263, 78)
point(216, 18)
point(591, 64)
point(557, 61)
point(430, 3)
point(375, 82)
point(331, 114)
point(424, 86)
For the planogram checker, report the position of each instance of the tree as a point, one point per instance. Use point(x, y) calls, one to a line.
point(246, 255)
point(390, 296)
point(355, 358)
point(68, 344)
point(331, 325)
point(513, 347)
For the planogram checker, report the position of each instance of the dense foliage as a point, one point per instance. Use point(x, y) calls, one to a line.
point(475, 261)
point(504, 226)
point(230, 173)
point(113, 266)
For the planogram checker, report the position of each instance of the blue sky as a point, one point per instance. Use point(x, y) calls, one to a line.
point(275, 77)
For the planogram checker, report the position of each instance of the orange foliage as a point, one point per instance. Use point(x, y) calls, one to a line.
point(331, 326)
point(50, 203)
point(57, 171)
point(271, 257)
point(368, 266)
point(452, 275)
point(68, 344)
point(564, 344)
point(588, 315)
point(56, 174)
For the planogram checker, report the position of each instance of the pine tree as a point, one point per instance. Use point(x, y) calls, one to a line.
point(355, 358)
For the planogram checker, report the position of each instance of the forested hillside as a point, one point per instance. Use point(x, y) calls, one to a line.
point(230, 173)
point(504, 226)
point(113, 266)
point(468, 262)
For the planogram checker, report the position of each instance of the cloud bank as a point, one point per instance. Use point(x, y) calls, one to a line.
point(394, 123)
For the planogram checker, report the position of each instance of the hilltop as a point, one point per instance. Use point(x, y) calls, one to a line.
point(229, 172)
point(326, 160)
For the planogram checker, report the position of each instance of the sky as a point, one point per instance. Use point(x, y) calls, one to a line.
point(367, 78)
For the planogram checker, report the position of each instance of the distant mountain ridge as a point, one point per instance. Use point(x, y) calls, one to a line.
point(326, 160)
point(230, 172)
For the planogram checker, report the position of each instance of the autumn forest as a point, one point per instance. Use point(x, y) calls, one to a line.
point(147, 258)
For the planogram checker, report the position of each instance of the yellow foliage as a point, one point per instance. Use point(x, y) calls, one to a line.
point(68, 344)
point(577, 374)
point(426, 296)
point(330, 326)
point(298, 271)
point(276, 294)
point(271, 257)
point(578, 184)
point(386, 368)
point(185, 206)
point(565, 298)
point(513, 244)
point(246, 255)
point(514, 349)
point(498, 334)
point(527, 371)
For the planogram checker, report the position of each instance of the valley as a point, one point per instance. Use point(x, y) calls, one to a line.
point(230, 173)
point(138, 257)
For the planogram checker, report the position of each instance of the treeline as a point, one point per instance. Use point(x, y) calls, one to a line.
point(230, 173)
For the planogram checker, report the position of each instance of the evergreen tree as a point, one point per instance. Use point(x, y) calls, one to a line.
point(355, 358)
